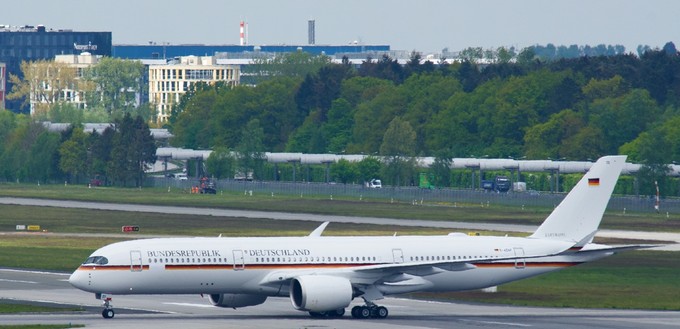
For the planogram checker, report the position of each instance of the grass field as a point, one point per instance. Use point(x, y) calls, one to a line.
point(323, 205)
point(630, 280)
point(7, 306)
point(42, 326)
point(641, 280)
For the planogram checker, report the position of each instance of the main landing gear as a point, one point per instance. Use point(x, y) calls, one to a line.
point(108, 312)
point(369, 310)
point(328, 314)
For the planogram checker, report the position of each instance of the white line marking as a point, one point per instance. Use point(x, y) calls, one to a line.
point(32, 272)
point(18, 281)
point(190, 304)
point(500, 323)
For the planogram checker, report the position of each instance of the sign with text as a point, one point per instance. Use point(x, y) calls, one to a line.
point(130, 228)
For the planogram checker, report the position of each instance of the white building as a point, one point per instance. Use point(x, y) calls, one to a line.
point(60, 86)
point(168, 82)
point(3, 69)
point(80, 63)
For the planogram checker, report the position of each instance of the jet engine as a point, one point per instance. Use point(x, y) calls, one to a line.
point(320, 293)
point(236, 300)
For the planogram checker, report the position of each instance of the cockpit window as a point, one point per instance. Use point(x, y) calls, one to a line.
point(98, 260)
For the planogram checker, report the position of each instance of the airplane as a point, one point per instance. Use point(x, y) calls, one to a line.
point(323, 274)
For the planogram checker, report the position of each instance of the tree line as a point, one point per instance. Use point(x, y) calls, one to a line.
point(117, 156)
point(571, 108)
point(504, 109)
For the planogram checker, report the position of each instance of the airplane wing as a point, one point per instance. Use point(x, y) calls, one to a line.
point(372, 274)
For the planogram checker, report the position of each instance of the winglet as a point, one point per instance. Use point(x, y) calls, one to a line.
point(319, 230)
point(578, 216)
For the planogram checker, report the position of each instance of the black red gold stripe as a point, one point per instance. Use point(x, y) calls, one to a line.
point(306, 266)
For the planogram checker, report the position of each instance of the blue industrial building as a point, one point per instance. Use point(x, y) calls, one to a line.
point(156, 51)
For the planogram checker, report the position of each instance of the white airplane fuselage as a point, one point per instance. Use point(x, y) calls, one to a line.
point(241, 265)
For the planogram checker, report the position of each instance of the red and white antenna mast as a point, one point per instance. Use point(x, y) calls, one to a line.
point(244, 31)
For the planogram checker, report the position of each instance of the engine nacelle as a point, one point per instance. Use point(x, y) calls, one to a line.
point(236, 300)
point(320, 293)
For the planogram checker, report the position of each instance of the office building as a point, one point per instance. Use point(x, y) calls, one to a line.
point(168, 82)
point(30, 43)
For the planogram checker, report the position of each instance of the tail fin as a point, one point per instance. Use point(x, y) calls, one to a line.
point(578, 216)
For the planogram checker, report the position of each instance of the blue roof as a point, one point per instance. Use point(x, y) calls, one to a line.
point(170, 51)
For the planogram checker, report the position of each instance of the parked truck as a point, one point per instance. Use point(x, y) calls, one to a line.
point(499, 184)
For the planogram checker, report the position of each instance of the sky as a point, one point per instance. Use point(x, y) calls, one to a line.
point(427, 26)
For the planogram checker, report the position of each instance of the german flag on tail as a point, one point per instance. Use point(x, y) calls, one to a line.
point(593, 181)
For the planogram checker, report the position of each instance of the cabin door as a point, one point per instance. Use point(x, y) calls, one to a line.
point(398, 256)
point(239, 263)
point(136, 261)
point(520, 263)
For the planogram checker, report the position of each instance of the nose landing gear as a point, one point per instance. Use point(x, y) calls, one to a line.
point(108, 312)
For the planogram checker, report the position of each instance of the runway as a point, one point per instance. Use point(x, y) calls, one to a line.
point(190, 311)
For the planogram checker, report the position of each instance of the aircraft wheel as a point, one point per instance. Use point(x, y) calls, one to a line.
point(108, 313)
point(355, 311)
point(364, 312)
point(337, 313)
point(317, 314)
point(381, 312)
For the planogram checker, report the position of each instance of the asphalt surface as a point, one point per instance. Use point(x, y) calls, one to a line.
point(189, 311)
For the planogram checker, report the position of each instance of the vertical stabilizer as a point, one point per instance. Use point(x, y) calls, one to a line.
point(578, 216)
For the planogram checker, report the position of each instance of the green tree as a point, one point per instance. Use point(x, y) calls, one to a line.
point(609, 88)
point(43, 163)
point(372, 118)
point(221, 163)
point(505, 55)
point(73, 154)
point(472, 54)
point(294, 64)
point(132, 152)
point(551, 138)
point(622, 119)
point(318, 90)
point(398, 149)
point(44, 83)
point(143, 148)
point(192, 121)
point(100, 152)
point(343, 171)
point(250, 149)
point(368, 168)
point(338, 129)
point(526, 56)
point(441, 168)
point(114, 84)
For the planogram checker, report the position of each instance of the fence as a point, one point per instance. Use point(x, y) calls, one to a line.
point(417, 195)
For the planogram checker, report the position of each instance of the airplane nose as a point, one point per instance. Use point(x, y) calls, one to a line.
point(78, 279)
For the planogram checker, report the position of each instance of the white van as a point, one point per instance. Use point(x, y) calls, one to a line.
point(181, 176)
point(374, 183)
